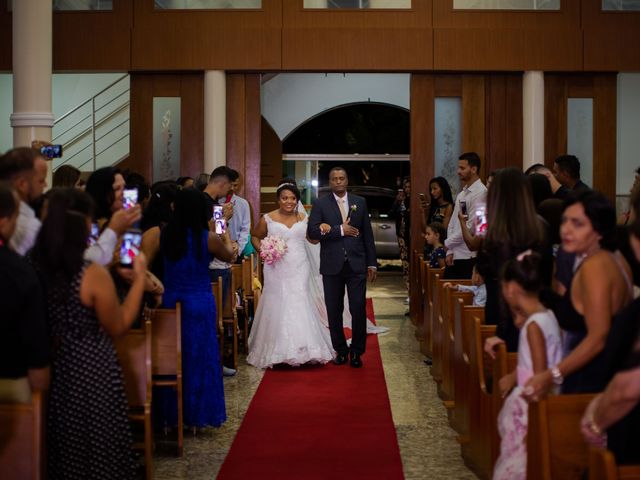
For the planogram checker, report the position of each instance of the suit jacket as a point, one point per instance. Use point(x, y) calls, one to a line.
point(334, 248)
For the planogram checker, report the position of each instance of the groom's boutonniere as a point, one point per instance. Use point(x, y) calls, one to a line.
point(354, 208)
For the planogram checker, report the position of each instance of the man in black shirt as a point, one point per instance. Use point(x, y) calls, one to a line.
point(566, 169)
point(24, 342)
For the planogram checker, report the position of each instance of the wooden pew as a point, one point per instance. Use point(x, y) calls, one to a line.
point(134, 354)
point(433, 275)
point(230, 318)
point(477, 452)
point(436, 329)
point(555, 446)
point(415, 303)
point(450, 300)
point(424, 304)
point(216, 289)
point(22, 440)
point(463, 315)
point(166, 356)
point(602, 466)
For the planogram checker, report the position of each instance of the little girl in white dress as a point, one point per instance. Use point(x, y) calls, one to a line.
point(539, 339)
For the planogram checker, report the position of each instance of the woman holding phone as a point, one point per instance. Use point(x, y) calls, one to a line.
point(187, 246)
point(88, 428)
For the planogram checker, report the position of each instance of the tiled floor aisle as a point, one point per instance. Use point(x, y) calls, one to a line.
point(427, 444)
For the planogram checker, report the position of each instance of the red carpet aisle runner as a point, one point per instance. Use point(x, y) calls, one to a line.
point(326, 422)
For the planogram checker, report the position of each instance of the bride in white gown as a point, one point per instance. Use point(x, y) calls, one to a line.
point(290, 324)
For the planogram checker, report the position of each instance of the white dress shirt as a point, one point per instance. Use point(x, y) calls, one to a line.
point(339, 200)
point(101, 252)
point(472, 194)
point(27, 228)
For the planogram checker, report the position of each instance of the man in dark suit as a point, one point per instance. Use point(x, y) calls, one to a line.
point(340, 221)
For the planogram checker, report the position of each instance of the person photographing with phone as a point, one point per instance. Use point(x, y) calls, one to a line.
point(460, 259)
point(401, 211)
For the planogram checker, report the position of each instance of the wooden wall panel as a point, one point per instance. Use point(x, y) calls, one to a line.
point(605, 134)
point(93, 41)
point(507, 49)
point(555, 117)
point(206, 39)
point(473, 117)
point(270, 166)
point(422, 162)
point(190, 87)
point(610, 39)
point(370, 40)
point(6, 33)
point(244, 134)
point(603, 89)
point(503, 121)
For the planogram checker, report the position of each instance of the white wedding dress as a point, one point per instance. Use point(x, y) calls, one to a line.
point(290, 325)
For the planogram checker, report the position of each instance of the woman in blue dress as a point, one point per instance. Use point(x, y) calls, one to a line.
point(187, 247)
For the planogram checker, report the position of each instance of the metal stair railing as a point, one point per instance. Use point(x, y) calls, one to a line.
point(96, 132)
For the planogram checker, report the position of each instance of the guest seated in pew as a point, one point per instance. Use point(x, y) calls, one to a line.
point(24, 343)
point(187, 246)
point(513, 227)
point(478, 288)
point(539, 346)
point(613, 418)
point(600, 288)
point(88, 427)
point(434, 237)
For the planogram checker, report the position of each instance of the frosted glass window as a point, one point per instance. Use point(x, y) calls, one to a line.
point(628, 5)
point(166, 138)
point(206, 4)
point(448, 139)
point(506, 4)
point(357, 4)
point(75, 5)
point(580, 135)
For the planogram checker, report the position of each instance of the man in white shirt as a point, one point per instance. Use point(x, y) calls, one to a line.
point(460, 259)
point(26, 170)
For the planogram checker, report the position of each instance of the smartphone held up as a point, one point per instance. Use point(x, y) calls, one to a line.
point(51, 151)
point(218, 220)
point(129, 198)
point(480, 222)
point(130, 247)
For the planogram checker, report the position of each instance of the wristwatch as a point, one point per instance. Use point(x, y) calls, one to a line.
point(556, 376)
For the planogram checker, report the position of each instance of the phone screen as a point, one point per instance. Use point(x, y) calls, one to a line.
point(130, 247)
point(218, 220)
point(463, 207)
point(94, 234)
point(51, 151)
point(129, 198)
point(480, 223)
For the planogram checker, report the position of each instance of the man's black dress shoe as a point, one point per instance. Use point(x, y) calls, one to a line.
point(341, 358)
point(355, 361)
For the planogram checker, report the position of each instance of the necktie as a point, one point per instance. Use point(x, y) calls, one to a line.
point(343, 209)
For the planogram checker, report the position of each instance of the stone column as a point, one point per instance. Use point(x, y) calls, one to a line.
point(215, 119)
point(32, 29)
point(532, 118)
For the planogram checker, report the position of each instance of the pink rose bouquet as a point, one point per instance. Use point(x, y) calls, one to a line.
point(272, 249)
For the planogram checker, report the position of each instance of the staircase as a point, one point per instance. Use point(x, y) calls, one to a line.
point(95, 134)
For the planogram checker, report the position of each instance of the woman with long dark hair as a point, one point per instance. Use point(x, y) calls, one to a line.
point(187, 246)
point(88, 428)
point(601, 287)
point(441, 204)
point(513, 226)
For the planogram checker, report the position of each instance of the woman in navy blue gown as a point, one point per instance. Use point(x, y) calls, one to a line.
point(187, 247)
